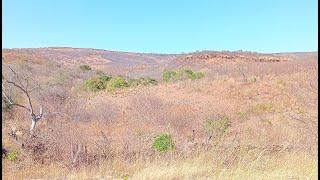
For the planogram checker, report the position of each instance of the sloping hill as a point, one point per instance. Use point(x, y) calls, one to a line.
point(265, 105)
point(146, 63)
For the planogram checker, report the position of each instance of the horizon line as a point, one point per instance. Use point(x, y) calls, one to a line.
point(190, 52)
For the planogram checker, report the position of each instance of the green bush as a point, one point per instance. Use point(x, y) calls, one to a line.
point(96, 84)
point(196, 75)
point(117, 82)
point(216, 126)
point(181, 74)
point(163, 143)
point(144, 81)
point(13, 155)
point(111, 83)
point(189, 73)
point(105, 78)
point(193, 75)
point(168, 75)
point(85, 67)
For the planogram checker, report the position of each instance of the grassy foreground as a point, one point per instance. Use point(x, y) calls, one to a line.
point(251, 165)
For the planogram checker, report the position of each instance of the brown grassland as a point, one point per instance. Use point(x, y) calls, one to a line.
point(270, 103)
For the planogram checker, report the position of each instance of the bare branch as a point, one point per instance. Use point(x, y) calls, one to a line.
point(25, 92)
point(24, 88)
point(9, 100)
point(16, 75)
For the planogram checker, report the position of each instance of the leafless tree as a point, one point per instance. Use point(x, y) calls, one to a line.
point(243, 74)
point(21, 84)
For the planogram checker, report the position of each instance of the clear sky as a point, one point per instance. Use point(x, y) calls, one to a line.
point(163, 26)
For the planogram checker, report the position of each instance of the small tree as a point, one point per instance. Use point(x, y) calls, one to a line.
point(22, 85)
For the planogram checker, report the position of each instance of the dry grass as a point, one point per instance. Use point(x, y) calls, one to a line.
point(273, 119)
point(252, 165)
point(295, 166)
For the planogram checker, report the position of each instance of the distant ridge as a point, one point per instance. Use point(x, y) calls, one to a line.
point(182, 53)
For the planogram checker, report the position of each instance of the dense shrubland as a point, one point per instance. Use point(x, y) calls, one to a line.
point(104, 82)
point(110, 83)
point(180, 74)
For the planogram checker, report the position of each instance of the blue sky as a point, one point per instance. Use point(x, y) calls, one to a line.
point(165, 26)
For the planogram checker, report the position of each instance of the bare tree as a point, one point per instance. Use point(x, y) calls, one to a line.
point(242, 71)
point(17, 82)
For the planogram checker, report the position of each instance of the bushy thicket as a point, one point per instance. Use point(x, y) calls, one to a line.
point(142, 81)
point(96, 84)
point(110, 83)
point(180, 74)
point(116, 83)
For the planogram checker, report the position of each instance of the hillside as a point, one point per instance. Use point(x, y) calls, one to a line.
point(143, 63)
point(265, 106)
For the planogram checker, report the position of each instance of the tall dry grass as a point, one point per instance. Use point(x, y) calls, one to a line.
point(254, 164)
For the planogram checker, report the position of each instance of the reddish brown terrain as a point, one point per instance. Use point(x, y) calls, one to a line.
point(269, 100)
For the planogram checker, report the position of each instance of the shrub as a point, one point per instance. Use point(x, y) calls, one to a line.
point(189, 73)
point(105, 78)
point(13, 155)
point(216, 126)
point(193, 75)
point(168, 75)
point(96, 84)
point(116, 82)
point(197, 75)
point(181, 74)
point(111, 83)
point(163, 143)
point(85, 67)
point(145, 81)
